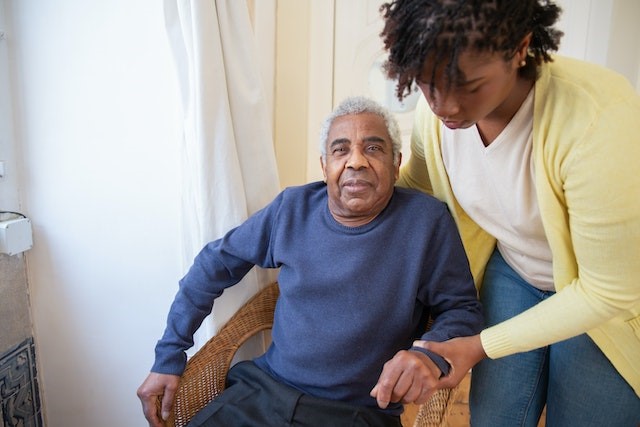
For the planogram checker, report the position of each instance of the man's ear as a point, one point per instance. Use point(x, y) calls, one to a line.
point(322, 166)
point(397, 171)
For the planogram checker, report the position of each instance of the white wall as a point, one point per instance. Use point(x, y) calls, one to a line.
point(9, 199)
point(97, 131)
point(605, 32)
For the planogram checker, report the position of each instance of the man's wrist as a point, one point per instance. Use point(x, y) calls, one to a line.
point(438, 360)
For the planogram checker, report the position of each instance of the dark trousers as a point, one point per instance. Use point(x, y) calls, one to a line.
point(254, 399)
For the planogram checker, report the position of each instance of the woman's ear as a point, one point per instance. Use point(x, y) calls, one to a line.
point(523, 48)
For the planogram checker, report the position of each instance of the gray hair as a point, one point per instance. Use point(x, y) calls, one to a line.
point(359, 105)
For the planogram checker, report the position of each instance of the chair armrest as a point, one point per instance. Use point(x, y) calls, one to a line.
point(206, 371)
point(435, 412)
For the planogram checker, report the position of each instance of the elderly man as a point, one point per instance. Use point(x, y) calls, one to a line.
point(363, 265)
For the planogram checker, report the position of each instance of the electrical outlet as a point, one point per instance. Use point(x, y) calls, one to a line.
point(15, 236)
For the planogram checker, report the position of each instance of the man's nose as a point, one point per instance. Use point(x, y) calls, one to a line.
point(357, 160)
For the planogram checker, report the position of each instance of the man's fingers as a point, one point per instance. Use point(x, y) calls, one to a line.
point(381, 394)
point(403, 386)
point(384, 387)
point(409, 394)
point(409, 377)
point(167, 403)
point(389, 387)
point(396, 379)
point(150, 406)
point(156, 394)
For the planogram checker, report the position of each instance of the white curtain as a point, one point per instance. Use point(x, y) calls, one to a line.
point(228, 161)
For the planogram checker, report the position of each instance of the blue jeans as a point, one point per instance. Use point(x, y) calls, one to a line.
point(572, 378)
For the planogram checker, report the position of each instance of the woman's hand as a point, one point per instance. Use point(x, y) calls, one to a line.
point(461, 353)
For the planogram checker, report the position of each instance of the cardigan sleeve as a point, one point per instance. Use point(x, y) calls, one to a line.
point(415, 174)
point(592, 219)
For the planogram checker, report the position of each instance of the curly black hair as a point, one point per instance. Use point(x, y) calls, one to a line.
point(442, 29)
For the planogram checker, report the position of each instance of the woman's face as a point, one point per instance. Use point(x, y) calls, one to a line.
point(484, 90)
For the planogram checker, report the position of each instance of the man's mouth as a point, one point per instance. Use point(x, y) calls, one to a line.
point(356, 184)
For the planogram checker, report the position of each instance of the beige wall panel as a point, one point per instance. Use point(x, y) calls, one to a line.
point(292, 65)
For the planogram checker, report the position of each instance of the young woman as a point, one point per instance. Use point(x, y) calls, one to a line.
point(537, 158)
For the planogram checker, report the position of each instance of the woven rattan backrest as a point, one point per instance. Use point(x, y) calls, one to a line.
point(206, 371)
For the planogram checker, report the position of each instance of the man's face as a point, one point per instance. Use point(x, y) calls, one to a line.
point(359, 168)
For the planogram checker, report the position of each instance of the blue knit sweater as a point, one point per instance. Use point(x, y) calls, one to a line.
point(350, 297)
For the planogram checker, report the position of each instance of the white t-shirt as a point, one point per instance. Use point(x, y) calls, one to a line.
point(496, 188)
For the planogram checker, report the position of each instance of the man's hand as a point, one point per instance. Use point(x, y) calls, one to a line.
point(155, 387)
point(410, 377)
point(461, 353)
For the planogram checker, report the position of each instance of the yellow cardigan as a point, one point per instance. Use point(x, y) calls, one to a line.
point(586, 148)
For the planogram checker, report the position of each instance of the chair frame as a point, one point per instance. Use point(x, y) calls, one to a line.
point(206, 371)
point(435, 413)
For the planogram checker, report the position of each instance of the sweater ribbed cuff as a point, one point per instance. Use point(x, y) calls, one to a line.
point(496, 342)
point(442, 364)
point(166, 362)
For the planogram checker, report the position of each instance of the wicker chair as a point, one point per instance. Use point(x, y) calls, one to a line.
point(206, 371)
point(436, 411)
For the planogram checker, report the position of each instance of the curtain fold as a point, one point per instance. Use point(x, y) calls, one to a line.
point(228, 161)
